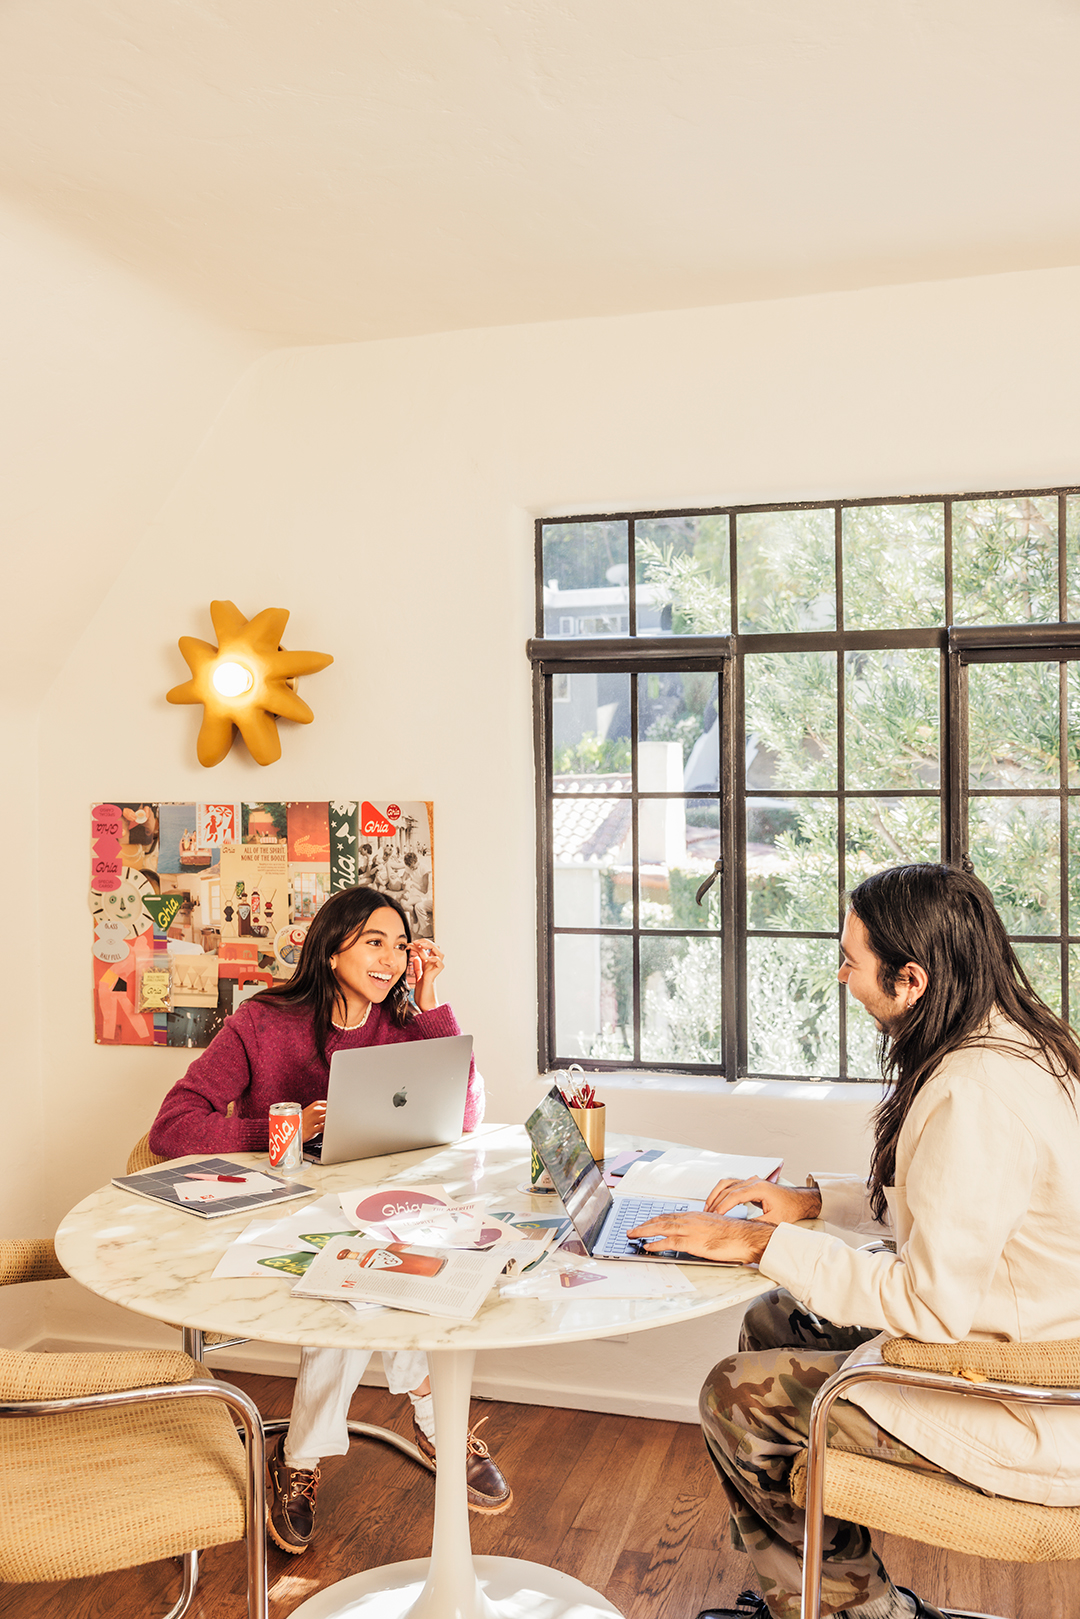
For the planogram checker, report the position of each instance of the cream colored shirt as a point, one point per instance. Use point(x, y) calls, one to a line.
point(985, 1213)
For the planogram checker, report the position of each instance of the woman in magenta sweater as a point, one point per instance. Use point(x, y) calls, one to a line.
point(351, 988)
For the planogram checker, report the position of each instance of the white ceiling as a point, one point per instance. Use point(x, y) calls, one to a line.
point(321, 170)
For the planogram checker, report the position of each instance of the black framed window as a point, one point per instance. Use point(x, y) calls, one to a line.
point(741, 712)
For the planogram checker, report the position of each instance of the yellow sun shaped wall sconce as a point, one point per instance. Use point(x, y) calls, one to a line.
point(243, 682)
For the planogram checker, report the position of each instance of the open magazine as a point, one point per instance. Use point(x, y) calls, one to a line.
point(212, 1187)
point(433, 1281)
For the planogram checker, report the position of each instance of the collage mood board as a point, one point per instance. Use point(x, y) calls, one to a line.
point(198, 906)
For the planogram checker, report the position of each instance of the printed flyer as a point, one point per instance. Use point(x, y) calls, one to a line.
point(197, 906)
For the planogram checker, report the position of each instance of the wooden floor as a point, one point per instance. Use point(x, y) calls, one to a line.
point(629, 1506)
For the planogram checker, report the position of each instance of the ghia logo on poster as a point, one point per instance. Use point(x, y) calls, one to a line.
point(374, 825)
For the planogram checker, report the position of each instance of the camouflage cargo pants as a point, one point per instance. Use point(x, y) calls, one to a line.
point(755, 1413)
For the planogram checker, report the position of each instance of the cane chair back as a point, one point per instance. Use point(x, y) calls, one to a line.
point(926, 1506)
point(112, 1460)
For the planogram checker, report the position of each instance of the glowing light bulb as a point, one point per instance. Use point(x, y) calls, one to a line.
point(232, 679)
point(245, 683)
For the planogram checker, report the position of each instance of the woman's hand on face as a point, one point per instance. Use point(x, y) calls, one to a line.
point(312, 1119)
point(779, 1205)
point(709, 1236)
point(425, 964)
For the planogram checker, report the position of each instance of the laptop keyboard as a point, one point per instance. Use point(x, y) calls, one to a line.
point(628, 1212)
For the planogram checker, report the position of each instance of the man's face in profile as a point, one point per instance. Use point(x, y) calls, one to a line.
point(861, 972)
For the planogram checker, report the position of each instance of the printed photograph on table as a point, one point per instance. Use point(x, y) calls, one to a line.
point(197, 906)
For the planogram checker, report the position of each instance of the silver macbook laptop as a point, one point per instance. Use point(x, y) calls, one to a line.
point(600, 1220)
point(384, 1099)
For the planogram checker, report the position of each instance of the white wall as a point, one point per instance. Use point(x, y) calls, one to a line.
point(385, 494)
point(106, 388)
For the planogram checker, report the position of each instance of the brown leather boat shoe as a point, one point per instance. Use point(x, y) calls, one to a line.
point(290, 1515)
point(485, 1485)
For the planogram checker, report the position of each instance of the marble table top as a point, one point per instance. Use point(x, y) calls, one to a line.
point(157, 1261)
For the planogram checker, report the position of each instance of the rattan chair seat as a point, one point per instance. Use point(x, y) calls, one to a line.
point(934, 1510)
point(141, 1483)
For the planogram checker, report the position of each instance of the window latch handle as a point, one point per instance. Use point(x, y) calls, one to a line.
point(718, 867)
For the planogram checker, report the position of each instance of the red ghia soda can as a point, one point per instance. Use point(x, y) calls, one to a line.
point(286, 1147)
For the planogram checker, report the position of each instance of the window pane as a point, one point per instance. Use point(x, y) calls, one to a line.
point(792, 867)
point(1072, 733)
point(1072, 557)
point(591, 733)
point(594, 1010)
point(787, 571)
point(891, 726)
point(1074, 875)
point(793, 1008)
point(1013, 738)
point(667, 893)
point(679, 711)
point(790, 719)
point(591, 882)
point(586, 579)
point(894, 566)
point(1005, 560)
point(683, 576)
point(1042, 963)
point(882, 832)
point(1014, 847)
point(680, 990)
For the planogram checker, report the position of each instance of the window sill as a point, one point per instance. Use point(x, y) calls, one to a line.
point(860, 1091)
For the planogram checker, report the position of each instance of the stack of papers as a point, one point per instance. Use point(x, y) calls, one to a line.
point(689, 1172)
point(380, 1231)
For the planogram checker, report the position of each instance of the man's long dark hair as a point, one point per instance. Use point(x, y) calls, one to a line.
point(313, 986)
point(944, 920)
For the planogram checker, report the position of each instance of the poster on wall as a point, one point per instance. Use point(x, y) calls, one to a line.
point(198, 906)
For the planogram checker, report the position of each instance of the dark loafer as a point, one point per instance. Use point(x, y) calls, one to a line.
point(485, 1485)
point(748, 1605)
point(291, 1507)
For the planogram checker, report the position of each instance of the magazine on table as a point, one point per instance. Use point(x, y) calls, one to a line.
point(434, 1281)
point(212, 1187)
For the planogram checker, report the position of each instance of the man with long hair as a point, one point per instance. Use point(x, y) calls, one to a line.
point(975, 1178)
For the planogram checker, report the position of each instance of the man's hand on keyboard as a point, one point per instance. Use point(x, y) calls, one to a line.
point(709, 1236)
point(778, 1204)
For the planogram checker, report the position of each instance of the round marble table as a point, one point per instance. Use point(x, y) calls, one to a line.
point(157, 1261)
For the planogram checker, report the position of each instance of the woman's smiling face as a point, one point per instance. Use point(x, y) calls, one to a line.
point(370, 964)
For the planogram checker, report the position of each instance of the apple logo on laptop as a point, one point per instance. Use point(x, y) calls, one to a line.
point(400, 1098)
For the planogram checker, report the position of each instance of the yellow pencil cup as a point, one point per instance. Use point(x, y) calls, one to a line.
point(590, 1121)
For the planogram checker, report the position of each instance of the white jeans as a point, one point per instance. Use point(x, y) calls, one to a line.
point(327, 1382)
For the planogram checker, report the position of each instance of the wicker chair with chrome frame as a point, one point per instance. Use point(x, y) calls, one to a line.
point(922, 1506)
point(112, 1460)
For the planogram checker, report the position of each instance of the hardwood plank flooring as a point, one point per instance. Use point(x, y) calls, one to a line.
point(629, 1506)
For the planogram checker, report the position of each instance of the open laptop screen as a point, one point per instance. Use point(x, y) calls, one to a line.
point(571, 1165)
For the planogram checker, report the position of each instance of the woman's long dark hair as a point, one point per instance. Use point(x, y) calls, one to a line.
point(313, 986)
point(944, 920)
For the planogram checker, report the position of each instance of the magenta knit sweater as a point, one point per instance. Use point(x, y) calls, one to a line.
point(266, 1054)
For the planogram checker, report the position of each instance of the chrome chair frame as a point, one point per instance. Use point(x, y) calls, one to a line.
point(872, 1372)
point(250, 1423)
